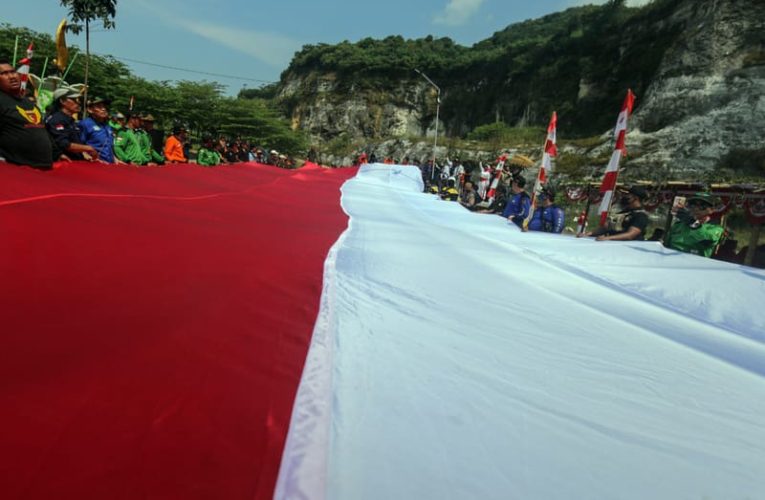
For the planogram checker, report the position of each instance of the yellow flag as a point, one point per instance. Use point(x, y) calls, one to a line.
point(62, 53)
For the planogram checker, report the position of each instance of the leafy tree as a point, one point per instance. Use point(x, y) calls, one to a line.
point(85, 11)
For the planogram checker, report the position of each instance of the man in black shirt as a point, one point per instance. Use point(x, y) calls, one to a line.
point(630, 223)
point(23, 139)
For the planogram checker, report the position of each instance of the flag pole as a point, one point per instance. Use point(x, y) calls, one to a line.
point(45, 67)
point(549, 150)
point(63, 77)
point(15, 51)
point(608, 186)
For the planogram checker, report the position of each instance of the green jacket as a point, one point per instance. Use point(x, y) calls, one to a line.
point(127, 147)
point(145, 140)
point(699, 241)
point(207, 157)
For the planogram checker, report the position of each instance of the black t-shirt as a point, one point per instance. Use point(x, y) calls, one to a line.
point(63, 132)
point(634, 217)
point(23, 139)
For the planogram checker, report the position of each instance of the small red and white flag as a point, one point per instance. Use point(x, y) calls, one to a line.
point(550, 152)
point(492, 193)
point(612, 171)
point(23, 68)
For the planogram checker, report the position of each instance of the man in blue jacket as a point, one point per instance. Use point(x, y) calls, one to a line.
point(518, 207)
point(548, 217)
point(95, 130)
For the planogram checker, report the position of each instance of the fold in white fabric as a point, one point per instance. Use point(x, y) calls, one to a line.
point(456, 357)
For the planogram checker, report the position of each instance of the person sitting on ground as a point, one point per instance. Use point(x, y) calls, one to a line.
point(207, 156)
point(450, 192)
point(495, 206)
point(692, 232)
point(519, 205)
point(174, 146)
point(95, 130)
point(23, 138)
point(127, 145)
point(470, 196)
point(548, 217)
point(630, 222)
point(63, 129)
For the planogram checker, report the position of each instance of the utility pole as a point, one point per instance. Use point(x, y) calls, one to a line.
point(438, 107)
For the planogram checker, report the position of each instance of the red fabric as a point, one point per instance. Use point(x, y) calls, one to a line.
point(154, 323)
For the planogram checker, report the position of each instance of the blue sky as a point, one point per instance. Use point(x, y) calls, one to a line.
point(255, 39)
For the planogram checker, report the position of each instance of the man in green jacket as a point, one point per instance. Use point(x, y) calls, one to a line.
point(692, 232)
point(207, 156)
point(144, 136)
point(127, 145)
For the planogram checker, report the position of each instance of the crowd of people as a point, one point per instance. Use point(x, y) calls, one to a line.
point(27, 137)
point(693, 230)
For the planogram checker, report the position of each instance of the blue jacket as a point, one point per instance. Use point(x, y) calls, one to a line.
point(519, 206)
point(98, 135)
point(548, 219)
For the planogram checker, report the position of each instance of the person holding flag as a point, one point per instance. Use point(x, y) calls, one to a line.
point(629, 223)
point(95, 130)
point(549, 217)
point(518, 207)
point(550, 151)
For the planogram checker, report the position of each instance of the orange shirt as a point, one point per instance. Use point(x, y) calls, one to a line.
point(174, 150)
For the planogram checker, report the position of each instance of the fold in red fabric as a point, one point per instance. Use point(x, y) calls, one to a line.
point(154, 323)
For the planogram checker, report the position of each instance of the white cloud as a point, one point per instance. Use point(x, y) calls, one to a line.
point(457, 12)
point(273, 49)
point(630, 3)
point(270, 48)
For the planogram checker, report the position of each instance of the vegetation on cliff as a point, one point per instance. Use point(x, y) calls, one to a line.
point(578, 62)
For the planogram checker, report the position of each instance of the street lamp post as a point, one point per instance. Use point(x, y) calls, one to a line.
point(438, 108)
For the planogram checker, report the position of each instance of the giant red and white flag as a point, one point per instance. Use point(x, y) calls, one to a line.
point(608, 185)
point(247, 332)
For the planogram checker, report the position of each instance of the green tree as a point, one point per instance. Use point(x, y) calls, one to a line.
point(85, 11)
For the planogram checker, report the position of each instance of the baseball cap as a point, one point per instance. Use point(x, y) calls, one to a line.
point(707, 199)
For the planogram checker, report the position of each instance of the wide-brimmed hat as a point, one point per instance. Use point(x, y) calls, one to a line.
point(65, 93)
point(99, 100)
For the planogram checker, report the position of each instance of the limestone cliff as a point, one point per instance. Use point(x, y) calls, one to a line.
point(697, 67)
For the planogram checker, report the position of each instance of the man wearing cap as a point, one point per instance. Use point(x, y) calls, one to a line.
point(630, 223)
point(127, 147)
point(23, 138)
point(549, 217)
point(145, 140)
point(519, 205)
point(117, 122)
point(174, 146)
point(95, 130)
point(692, 232)
point(63, 130)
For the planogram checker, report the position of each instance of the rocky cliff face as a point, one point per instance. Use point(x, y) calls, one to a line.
point(702, 109)
point(705, 107)
point(327, 107)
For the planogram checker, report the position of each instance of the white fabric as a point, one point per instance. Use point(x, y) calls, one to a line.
point(546, 367)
